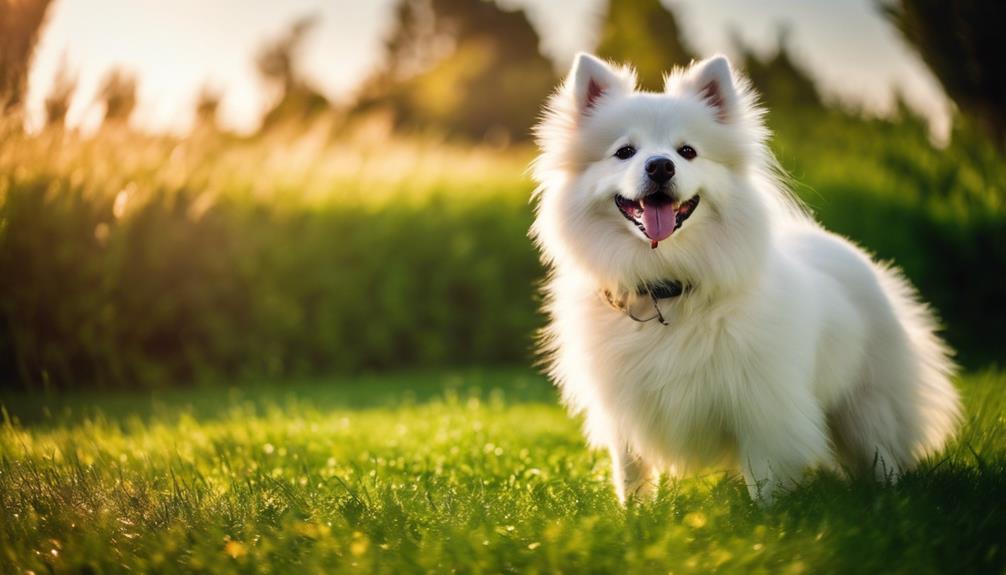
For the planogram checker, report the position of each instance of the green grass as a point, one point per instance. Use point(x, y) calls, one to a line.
point(439, 472)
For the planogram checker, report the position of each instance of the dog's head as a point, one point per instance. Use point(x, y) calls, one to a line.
point(638, 186)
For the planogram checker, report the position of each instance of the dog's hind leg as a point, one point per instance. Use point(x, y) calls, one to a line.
point(869, 432)
point(896, 416)
point(904, 407)
point(634, 478)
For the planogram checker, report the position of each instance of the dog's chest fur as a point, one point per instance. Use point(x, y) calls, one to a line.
point(672, 390)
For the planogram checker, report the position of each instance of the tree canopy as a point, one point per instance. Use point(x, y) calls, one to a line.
point(467, 68)
point(645, 34)
point(962, 43)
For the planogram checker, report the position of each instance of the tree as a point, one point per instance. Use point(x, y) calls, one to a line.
point(20, 24)
point(780, 82)
point(278, 65)
point(463, 67)
point(962, 43)
point(643, 33)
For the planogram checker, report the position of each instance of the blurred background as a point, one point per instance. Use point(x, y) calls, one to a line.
point(218, 191)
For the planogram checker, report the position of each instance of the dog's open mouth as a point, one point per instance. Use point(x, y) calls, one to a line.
point(656, 215)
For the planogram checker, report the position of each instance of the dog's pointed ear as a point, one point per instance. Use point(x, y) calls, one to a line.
point(591, 78)
point(713, 81)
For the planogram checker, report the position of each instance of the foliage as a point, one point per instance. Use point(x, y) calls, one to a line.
point(962, 43)
point(645, 34)
point(474, 473)
point(461, 67)
point(20, 22)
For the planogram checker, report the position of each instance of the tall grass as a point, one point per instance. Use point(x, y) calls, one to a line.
point(134, 260)
point(148, 260)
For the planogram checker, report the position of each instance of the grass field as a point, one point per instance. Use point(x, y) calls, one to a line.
point(214, 261)
point(475, 472)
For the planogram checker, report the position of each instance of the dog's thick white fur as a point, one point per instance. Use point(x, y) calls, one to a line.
point(790, 349)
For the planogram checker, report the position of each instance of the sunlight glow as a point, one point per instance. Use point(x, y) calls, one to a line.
point(178, 48)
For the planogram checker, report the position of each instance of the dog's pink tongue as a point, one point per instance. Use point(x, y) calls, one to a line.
point(658, 219)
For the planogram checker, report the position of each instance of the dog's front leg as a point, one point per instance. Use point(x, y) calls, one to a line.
point(777, 448)
point(633, 477)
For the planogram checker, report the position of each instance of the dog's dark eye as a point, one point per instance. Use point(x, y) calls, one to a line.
point(625, 152)
point(687, 152)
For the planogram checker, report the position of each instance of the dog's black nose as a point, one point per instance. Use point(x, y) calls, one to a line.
point(660, 169)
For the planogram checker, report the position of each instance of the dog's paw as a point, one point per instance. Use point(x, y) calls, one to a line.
point(642, 491)
point(762, 493)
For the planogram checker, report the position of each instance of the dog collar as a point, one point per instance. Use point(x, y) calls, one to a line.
point(665, 289)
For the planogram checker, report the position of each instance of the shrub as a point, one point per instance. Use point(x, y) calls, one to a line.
point(138, 261)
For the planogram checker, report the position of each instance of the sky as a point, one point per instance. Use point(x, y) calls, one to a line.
point(177, 48)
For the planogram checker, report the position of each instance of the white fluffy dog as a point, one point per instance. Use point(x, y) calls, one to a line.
point(746, 335)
